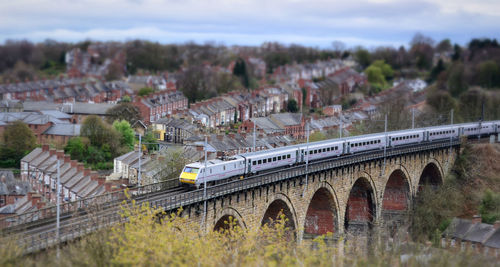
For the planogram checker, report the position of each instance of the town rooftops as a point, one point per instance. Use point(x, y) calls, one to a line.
point(70, 108)
point(56, 114)
point(64, 130)
point(479, 232)
point(29, 118)
point(287, 119)
point(494, 240)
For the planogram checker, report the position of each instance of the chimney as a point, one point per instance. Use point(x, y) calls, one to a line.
point(52, 152)
point(86, 172)
point(94, 175)
point(496, 225)
point(220, 137)
point(74, 163)
point(476, 219)
point(35, 199)
point(60, 154)
point(80, 167)
point(67, 158)
point(45, 148)
point(231, 135)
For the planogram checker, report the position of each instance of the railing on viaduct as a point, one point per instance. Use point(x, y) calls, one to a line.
point(35, 237)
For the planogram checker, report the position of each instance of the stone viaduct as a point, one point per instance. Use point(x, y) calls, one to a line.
point(343, 200)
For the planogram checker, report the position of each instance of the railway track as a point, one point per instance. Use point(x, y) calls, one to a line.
point(43, 235)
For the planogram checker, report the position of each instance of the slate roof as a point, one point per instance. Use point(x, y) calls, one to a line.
point(64, 130)
point(29, 118)
point(494, 240)
point(70, 108)
point(267, 125)
point(12, 186)
point(458, 228)
point(287, 119)
point(479, 232)
point(32, 155)
point(56, 114)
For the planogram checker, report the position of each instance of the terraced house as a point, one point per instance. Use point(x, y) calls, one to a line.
point(39, 168)
point(159, 105)
point(66, 90)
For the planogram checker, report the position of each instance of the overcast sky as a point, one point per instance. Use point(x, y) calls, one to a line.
point(309, 22)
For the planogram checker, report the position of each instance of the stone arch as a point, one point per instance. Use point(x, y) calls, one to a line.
point(361, 208)
point(322, 213)
point(280, 203)
point(432, 175)
point(396, 200)
point(226, 215)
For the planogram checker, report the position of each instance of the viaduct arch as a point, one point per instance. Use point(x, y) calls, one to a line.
point(344, 200)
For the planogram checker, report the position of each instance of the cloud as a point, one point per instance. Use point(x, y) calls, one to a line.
point(311, 22)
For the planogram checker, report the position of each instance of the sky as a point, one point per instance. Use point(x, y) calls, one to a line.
point(316, 23)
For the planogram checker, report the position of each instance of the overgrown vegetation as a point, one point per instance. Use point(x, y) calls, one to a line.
point(472, 187)
point(17, 141)
point(147, 239)
point(100, 142)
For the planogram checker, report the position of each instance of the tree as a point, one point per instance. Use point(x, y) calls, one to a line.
point(123, 111)
point(76, 148)
point(292, 106)
point(145, 91)
point(375, 76)
point(95, 130)
point(240, 70)
point(18, 140)
point(150, 141)
point(457, 52)
point(125, 99)
point(456, 80)
point(489, 74)
point(362, 56)
point(127, 133)
point(225, 82)
point(444, 46)
point(436, 70)
point(490, 207)
point(441, 101)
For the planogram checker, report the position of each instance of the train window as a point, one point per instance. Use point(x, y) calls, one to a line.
point(274, 159)
point(253, 163)
point(352, 145)
point(260, 161)
point(270, 160)
point(315, 151)
point(336, 147)
point(288, 156)
point(210, 170)
point(279, 157)
point(224, 167)
point(324, 149)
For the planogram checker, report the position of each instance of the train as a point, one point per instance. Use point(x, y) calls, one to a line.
point(248, 164)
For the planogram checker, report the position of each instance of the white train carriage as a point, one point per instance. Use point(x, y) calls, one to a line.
point(269, 159)
point(486, 128)
point(438, 133)
point(496, 126)
point(321, 150)
point(195, 173)
point(406, 137)
point(470, 129)
point(367, 142)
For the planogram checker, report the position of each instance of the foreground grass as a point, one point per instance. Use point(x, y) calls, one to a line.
point(169, 240)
